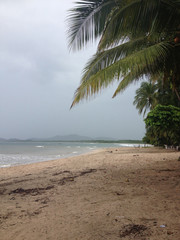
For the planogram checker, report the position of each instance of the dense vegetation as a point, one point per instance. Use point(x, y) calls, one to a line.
point(163, 125)
point(163, 120)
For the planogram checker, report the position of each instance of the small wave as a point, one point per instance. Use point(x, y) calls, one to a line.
point(4, 166)
point(75, 152)
point(40, 146)
point(126, 145)
point(134, 145)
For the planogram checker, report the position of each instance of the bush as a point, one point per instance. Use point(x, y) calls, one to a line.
point(163, 126)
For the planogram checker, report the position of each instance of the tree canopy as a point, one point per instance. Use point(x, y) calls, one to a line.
point(163, 125)
point(137, 38)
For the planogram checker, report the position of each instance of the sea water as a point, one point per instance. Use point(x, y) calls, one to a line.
point(20, 153)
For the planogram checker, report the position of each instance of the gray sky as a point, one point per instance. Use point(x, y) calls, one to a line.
point(38, 77)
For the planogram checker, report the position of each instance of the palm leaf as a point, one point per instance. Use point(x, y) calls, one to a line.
point(135, 65)
point(141, 17)
point(104, 59)
point(87, 21)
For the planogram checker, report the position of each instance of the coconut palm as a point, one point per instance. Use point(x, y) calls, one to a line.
point(165, 94)
point(137, 38)
point(146, 97)
point(154, 92)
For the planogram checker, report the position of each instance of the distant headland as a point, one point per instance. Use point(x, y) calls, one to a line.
point(70, 138)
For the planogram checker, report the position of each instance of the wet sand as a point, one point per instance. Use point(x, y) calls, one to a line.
point(122, 193)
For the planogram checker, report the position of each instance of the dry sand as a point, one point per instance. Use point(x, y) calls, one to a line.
point(125, 193)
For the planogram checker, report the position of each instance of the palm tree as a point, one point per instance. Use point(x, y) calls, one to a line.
point(154, 92)
point(146, 97)
point(137, 38)
point(166, 94)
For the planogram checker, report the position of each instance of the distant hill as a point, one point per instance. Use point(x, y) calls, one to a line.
point(3, 140)
point(72, 137)
point(9, 140)
point(105, 139)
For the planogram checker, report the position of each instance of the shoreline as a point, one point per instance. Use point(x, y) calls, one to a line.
point(57, 159)
point(42, 153)
point(113, 193)
point(76, 155)
point(49, 160)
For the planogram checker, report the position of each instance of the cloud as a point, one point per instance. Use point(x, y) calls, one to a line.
point(38, 77)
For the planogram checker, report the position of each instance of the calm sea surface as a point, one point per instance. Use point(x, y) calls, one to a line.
point(19, 153)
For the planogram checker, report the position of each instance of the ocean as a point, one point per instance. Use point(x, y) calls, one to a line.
point(20, 153)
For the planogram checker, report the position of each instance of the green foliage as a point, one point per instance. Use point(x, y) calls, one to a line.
point(163, 125)
point(137, 38)
point(154, 92)
point(166, 95)
point(87, 20)
point(145, 98)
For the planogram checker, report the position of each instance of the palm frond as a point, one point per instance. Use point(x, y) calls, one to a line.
point(146, 96)
point(87, 21)
point(133, 66)
point(127, 80)
point(104, 59)
point(141, 17)
point(118, 27)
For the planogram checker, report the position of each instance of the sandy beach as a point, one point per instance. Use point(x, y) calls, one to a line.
point(122, 193)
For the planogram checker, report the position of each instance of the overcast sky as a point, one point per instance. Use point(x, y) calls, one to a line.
point(38, 77)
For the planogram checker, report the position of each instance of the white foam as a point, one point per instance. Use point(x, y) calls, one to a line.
point(134, 145)
point(40, 146)
point(4, 166)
